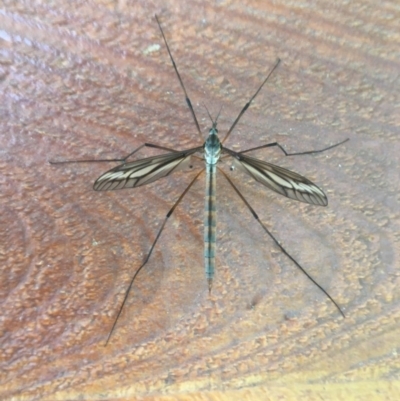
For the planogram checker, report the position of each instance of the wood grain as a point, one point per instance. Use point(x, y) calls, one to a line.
point(93, 80)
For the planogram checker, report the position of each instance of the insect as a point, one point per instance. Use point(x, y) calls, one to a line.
point(136, 173)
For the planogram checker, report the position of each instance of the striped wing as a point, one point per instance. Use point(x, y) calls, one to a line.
point(280, 180)
point(143, 171)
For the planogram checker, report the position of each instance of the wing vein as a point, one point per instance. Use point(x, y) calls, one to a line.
point(280, 180)
point(143, 171)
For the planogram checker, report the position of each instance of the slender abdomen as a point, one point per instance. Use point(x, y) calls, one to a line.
point(210, 222)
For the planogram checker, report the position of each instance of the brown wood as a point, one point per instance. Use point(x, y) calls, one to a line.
point(93, 80)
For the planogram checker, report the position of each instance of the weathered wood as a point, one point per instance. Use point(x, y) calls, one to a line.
point(94, 80)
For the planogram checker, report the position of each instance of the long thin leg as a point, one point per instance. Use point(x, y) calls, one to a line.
point(188, 102)
point(246, 106)
point(309, 152)
point(150, 252)
point(123, 159)
point(279, 245)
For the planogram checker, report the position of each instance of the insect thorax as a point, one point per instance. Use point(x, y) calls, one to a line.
point(212, 147)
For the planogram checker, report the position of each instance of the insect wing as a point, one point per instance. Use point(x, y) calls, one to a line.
point(280, 180)
point(143, 171)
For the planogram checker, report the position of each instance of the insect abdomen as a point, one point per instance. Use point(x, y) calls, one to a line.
point(210, 222)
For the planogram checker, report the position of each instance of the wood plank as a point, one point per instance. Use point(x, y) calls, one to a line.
point(94, 80)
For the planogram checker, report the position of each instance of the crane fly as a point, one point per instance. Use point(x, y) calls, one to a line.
point(136, 173)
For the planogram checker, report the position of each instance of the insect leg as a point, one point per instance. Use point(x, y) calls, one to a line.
point(150, 252)
point(247, 105)
point(188, 102)
point(121, 159)
point(270, 145)
point(279, 245)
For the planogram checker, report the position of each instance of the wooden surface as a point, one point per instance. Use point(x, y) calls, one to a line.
point(93, 80)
